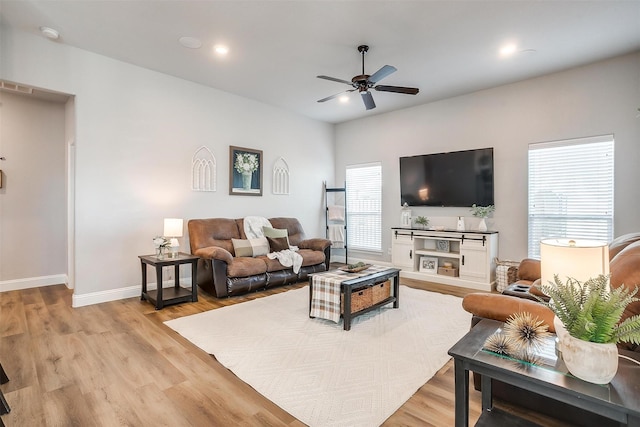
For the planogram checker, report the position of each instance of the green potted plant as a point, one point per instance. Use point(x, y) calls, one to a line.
point(422, 221)
point(590, 327)
point(482, 212)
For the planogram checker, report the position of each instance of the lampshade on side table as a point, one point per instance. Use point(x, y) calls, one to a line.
point(173, 228)
point(576, 258)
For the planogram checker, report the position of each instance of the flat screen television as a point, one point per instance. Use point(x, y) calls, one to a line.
point(459, 179)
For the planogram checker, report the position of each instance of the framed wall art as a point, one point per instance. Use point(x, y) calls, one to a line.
point(245, 171)
point(428, 264)
point(442, 245)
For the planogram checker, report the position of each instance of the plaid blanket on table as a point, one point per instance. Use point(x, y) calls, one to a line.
point(325, 296)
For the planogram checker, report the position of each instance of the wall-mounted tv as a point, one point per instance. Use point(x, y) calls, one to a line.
point(459, 178)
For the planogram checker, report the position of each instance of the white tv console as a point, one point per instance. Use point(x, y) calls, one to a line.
point(471, 253)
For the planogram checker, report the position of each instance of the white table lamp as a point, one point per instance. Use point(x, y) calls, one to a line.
point(579, 259)
point(172, 230)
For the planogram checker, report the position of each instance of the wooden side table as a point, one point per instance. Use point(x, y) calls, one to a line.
point(161, 297)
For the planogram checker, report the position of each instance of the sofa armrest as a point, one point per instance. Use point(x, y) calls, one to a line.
point(500, 307)
point(214, 252)
point(315, 244)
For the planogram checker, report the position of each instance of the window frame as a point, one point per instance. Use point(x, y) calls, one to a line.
point(570, 190)
point(359, 218)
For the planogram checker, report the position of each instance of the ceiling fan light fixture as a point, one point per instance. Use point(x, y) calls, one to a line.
point(363, 82)
point(50, 33)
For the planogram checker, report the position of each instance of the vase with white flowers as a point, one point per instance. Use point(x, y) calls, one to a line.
point(482, 212)
point(246, 164)
point(161, 244)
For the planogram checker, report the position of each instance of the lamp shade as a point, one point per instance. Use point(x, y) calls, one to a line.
point(575, 258)
point(173, 227)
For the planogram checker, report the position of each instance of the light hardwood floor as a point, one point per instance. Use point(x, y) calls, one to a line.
point(117, 364)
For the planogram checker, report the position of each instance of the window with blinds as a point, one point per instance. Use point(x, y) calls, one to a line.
point(364, 206)
point(570, 190)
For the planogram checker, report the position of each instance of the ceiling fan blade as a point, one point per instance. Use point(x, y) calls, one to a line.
point(367, 98)
point(334, 96)
point(333, 79)
point(398, 89)
point(382, 73)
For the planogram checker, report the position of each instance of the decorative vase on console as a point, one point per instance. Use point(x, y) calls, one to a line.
point(482, 212)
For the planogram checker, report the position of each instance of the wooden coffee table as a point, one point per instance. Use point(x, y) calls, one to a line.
point(348, 285)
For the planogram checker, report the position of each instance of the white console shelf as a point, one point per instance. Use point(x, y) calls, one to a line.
point(471, 254)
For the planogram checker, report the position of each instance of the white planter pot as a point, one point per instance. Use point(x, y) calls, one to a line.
point(589, 361)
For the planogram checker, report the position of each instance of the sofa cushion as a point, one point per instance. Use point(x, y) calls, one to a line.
point(204, 233)
point(529, 270)
point(619, 243)
point(250, 247)
point(310, 257)
point(293, 227)
point(245, 266)
point(275, 233)
point(625, 272)
point(277, 244)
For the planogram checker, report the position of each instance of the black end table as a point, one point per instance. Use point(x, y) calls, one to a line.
point(161, 297)
point(618, 400)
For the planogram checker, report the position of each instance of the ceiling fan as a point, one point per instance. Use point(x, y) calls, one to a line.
point(364, 82)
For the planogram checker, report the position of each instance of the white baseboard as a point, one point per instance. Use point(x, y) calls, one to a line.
point(33, 282)
point(120, 293)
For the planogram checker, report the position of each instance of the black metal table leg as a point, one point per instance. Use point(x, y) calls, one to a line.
point(159, 301)
point(462, 394)
point(194, 282)
point(4, 406)
point(346, 312)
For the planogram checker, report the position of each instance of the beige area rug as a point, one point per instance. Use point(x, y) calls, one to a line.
point(321, 374)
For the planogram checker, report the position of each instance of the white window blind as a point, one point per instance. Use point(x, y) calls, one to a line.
point(364, 206)
point(570, 190)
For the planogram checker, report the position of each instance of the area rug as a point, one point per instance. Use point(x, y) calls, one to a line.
point(321, 374)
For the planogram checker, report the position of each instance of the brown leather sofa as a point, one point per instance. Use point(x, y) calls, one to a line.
point(624, 266)
point(222, 274)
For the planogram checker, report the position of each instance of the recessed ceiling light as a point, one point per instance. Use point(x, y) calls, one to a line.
point(344, 98)
point(190, 42)
point(221, 49)
point(50, 33)
point(508, 50)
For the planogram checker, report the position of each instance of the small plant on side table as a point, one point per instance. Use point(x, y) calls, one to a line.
point(590, 314)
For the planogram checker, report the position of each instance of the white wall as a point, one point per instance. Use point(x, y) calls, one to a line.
point(33, 209)
point(136, 131)
point(597, 99)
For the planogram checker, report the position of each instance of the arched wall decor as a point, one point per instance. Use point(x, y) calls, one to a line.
point(280, 177)
point(203, 170)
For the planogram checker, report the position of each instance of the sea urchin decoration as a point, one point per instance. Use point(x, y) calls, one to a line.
point(530, 358)
point(500, 343)
point(526, 331)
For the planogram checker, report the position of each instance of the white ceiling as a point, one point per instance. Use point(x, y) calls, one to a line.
point(277, 48)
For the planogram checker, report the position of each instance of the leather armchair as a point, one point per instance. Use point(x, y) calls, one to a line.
point(624, 267)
